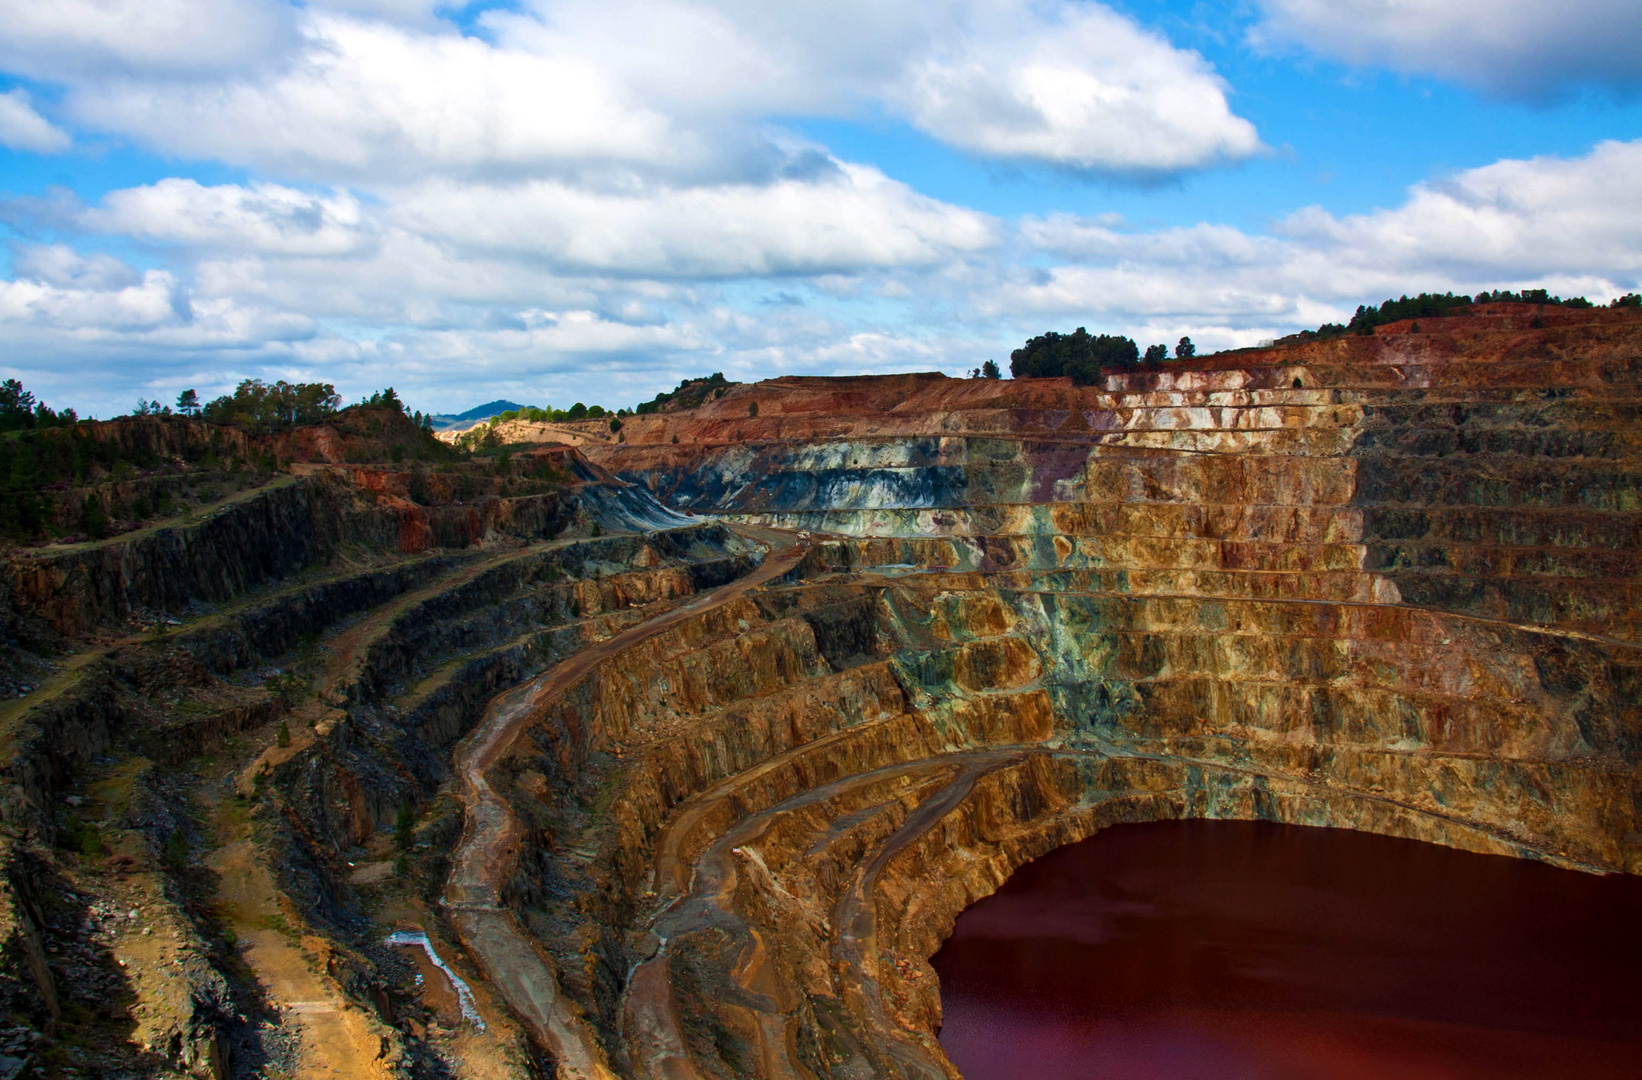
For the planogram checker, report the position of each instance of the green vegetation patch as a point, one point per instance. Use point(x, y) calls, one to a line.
point(688, 394)
point(1087, 358)
point(1438, 305)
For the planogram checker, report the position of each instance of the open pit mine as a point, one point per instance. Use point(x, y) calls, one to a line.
point(675, 751)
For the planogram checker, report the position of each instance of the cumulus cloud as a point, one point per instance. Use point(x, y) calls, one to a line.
point(67, 39)
point(546, 335)
point(1517, 218)
point(536, 285)
point(850, 218)
point(62, 266)
point(1516, 48)
point(371, 100)
point(1050, 81)
point(21, 128)
point(1079, 86)
point(680, 88)
point(1571, 224)
point(152, 302)
point(586, 200)
point(60, 297)
point(258, 217)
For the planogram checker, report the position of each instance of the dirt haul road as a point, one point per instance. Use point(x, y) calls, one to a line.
point(526, 977)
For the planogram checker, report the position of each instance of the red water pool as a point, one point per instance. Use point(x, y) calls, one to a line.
point(1250, 951)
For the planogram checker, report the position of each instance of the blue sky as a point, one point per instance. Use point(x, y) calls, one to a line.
point(577, 201)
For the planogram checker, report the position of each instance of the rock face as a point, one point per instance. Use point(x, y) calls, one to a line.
point(1386, 583)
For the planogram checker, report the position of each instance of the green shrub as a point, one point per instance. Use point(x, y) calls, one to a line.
point(176, 850)
point(689, 394)
point(262, 409)
point(93, 518)
point(80, 837)
point(1082, 356)
point(403, 828)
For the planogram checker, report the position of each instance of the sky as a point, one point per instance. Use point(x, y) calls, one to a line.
point(591, 200)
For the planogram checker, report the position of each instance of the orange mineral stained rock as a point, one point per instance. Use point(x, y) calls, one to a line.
point(701, 800)
point(1400, 596)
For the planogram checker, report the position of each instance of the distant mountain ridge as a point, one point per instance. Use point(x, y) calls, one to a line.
point(442, 421)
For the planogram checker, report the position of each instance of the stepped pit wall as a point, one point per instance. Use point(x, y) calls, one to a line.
point(431, 638)
point(369, 629)
point(1385, 583)
point(428, 674)
point(266, 535)
point(245, 580)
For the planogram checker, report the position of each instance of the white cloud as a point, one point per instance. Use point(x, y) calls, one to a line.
point(586, 200)
point(1573, 225)
point(410, 12)
point(672, 87)
point(548, 335)
point(416, 255)
point(373, 100)
point(1519, 48)
point(1050, 81)
point(59, 294)
point(402, 280)
point(849, 218)
point(21, 128)
point(150, 303)
point(62, 266)
point(577, 190)
point(63, 39)
point(580, 296)
point(1079, 86)
point(1518, 218)
point(259, 217)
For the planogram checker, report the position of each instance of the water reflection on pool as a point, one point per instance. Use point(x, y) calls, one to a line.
point(1252, 951)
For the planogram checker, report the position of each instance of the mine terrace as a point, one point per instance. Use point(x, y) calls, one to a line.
point(674, 748)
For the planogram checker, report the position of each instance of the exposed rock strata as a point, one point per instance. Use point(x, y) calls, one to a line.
point(1385, 583)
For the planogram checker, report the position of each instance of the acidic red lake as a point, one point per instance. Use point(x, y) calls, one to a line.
point(1228, 950)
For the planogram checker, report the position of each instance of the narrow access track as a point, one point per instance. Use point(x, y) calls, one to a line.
point(522, 973)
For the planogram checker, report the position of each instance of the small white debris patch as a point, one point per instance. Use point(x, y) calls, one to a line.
point(464, 995)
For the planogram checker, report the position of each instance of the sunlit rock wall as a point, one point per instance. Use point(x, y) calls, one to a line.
point(1386, 583)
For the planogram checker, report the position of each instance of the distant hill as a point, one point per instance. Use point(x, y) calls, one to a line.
point(442, 422)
